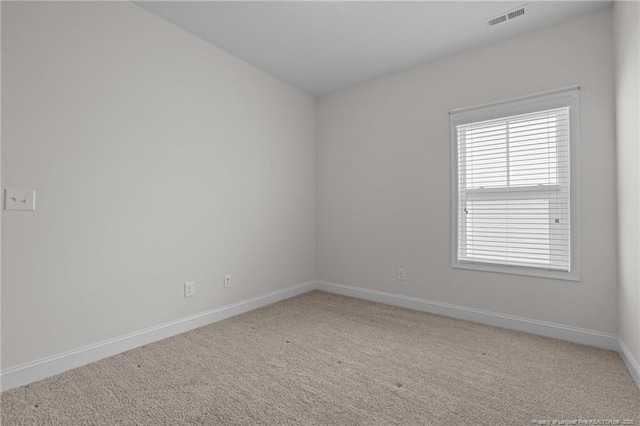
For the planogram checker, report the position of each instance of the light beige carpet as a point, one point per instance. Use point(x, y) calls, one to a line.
point(332, 360)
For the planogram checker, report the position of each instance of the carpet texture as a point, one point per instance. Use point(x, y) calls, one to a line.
point(332, 360)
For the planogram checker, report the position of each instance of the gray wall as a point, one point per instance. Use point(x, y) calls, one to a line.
point(384, 167)
point(160, 159)
point(627, 54)
point(157, 159)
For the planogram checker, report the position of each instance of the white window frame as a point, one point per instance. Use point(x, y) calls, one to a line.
point(568, 97)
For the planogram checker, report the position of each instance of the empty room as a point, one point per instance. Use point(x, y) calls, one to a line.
point(320, 213)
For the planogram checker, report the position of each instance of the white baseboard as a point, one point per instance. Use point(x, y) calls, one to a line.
point(632, 364)
point(542, 328)
point(50, 366)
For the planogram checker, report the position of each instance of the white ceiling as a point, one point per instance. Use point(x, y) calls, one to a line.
point(322, 47)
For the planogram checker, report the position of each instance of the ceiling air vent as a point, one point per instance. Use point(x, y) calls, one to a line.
point(497, 20)
point(507, 16)
point(515, 13)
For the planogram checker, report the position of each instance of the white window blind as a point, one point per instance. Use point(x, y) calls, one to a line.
point(513, 203)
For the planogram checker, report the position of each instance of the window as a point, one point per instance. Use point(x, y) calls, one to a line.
point(515, 186)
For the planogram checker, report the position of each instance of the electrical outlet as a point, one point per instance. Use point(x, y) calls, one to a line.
point(189, 289)
point(227, 281)
point(401, 274)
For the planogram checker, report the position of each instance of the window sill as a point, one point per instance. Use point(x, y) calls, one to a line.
point(515, 270)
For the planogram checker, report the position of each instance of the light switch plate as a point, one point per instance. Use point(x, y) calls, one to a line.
point(19, 199)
